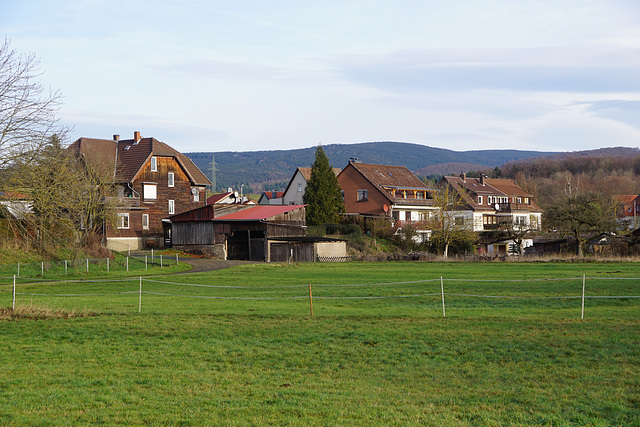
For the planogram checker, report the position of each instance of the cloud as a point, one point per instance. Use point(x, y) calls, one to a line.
point(566, 70)
point(619, 110)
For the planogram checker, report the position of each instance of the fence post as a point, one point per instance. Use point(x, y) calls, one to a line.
point(107, 265)
point(151, 255)
point(140, 298)
point(127, 263)
point(65, 267)
point(146, 267)
point(87, 265)
point(177, 258)
point(442, 290)
point(18, 269)
point(42, 268)
point(584, 279)
point(14, 292)
point(160, 260)
point(310, 300)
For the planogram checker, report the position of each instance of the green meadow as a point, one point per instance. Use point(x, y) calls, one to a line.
point(240, 347)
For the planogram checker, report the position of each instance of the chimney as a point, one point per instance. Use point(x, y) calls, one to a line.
point(136, 136)
point(481, 179)
point(464, 177)
point(116, 137)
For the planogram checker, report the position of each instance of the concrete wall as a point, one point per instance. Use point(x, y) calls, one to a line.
point(331, 249)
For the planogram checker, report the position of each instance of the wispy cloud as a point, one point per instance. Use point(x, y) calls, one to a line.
point(568, 70)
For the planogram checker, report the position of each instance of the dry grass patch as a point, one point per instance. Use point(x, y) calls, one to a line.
point(40, 312)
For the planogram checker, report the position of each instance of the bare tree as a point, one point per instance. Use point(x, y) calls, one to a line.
point(447, 226)
point(27, 109)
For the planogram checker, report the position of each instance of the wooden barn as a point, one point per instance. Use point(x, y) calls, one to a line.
point(248, 232)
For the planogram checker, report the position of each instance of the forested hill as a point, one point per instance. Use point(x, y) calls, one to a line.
point(271, 170)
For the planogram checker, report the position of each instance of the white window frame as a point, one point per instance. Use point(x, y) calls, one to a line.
point(172, 207)
point(171, 179)
point(147, 193)
point(299, 188)
point(479, 200)
point(363, 195)
point(145, 221)
point(196, 194)
point(123, 221)
point(154, 164)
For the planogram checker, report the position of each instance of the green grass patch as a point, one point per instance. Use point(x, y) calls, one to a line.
point(241, 348)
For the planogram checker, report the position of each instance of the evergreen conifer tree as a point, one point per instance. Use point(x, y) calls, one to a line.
point(322, 195)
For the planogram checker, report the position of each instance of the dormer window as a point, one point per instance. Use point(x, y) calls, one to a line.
point(154, 164)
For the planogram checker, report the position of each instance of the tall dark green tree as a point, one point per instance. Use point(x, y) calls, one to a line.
point(322, 195)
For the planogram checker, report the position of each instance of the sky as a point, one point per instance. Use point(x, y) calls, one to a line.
point(247, 75)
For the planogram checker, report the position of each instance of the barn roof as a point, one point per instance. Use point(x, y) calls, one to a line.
point(258, 213)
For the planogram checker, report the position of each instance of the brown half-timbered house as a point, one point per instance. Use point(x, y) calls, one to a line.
point(153, 180)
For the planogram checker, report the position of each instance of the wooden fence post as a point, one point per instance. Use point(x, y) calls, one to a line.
point(310, 300)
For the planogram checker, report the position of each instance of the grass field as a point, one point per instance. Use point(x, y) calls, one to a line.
point(242, 349)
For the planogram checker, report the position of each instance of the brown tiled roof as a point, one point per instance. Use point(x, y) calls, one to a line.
point(306, 172)
point(386, 177)
point(487, 187)
point(389, 176)
point(126, 158)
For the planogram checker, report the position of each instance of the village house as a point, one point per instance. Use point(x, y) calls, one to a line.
point(391, 192)
point(153, 181)
point(490, 203)
point(294, 192)
point(271, 198)
point(629, 211)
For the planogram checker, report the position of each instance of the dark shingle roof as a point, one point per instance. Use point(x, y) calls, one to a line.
point(125, 159)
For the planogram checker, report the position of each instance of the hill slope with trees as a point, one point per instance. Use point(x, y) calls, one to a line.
point(271, 170)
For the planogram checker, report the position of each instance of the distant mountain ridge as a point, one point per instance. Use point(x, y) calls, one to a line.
point(271, 170)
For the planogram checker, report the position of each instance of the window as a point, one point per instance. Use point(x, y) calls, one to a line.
point(172, 207)
point(170, 179)
point(342, 194)
point(145, 221)
point(363, 195)
point(459, 220)
point(150, 191)
point(489, 200)
point(299, 188)
point(520, 220)
point(196, 194)
point(123, 220)
point(479, 200)
point(154, 164)
point(519, 200)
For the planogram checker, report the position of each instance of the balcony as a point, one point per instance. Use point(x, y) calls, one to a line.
point(124, 202)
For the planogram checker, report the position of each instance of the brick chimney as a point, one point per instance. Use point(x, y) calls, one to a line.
point(136, 136)
point(464, 177)
point(116, 137)
point(481, 179)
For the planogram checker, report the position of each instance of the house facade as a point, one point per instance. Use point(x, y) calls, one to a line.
point(271, 198)
point(294, 192)
point(153, 181)
point(391, 192)
point(489, 203)
point(629, 210)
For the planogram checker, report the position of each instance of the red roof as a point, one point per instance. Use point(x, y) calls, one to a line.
point(258, 213)
point(214, 198)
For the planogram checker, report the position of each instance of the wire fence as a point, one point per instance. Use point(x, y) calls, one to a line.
point(143, 294)
point(81, 267)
